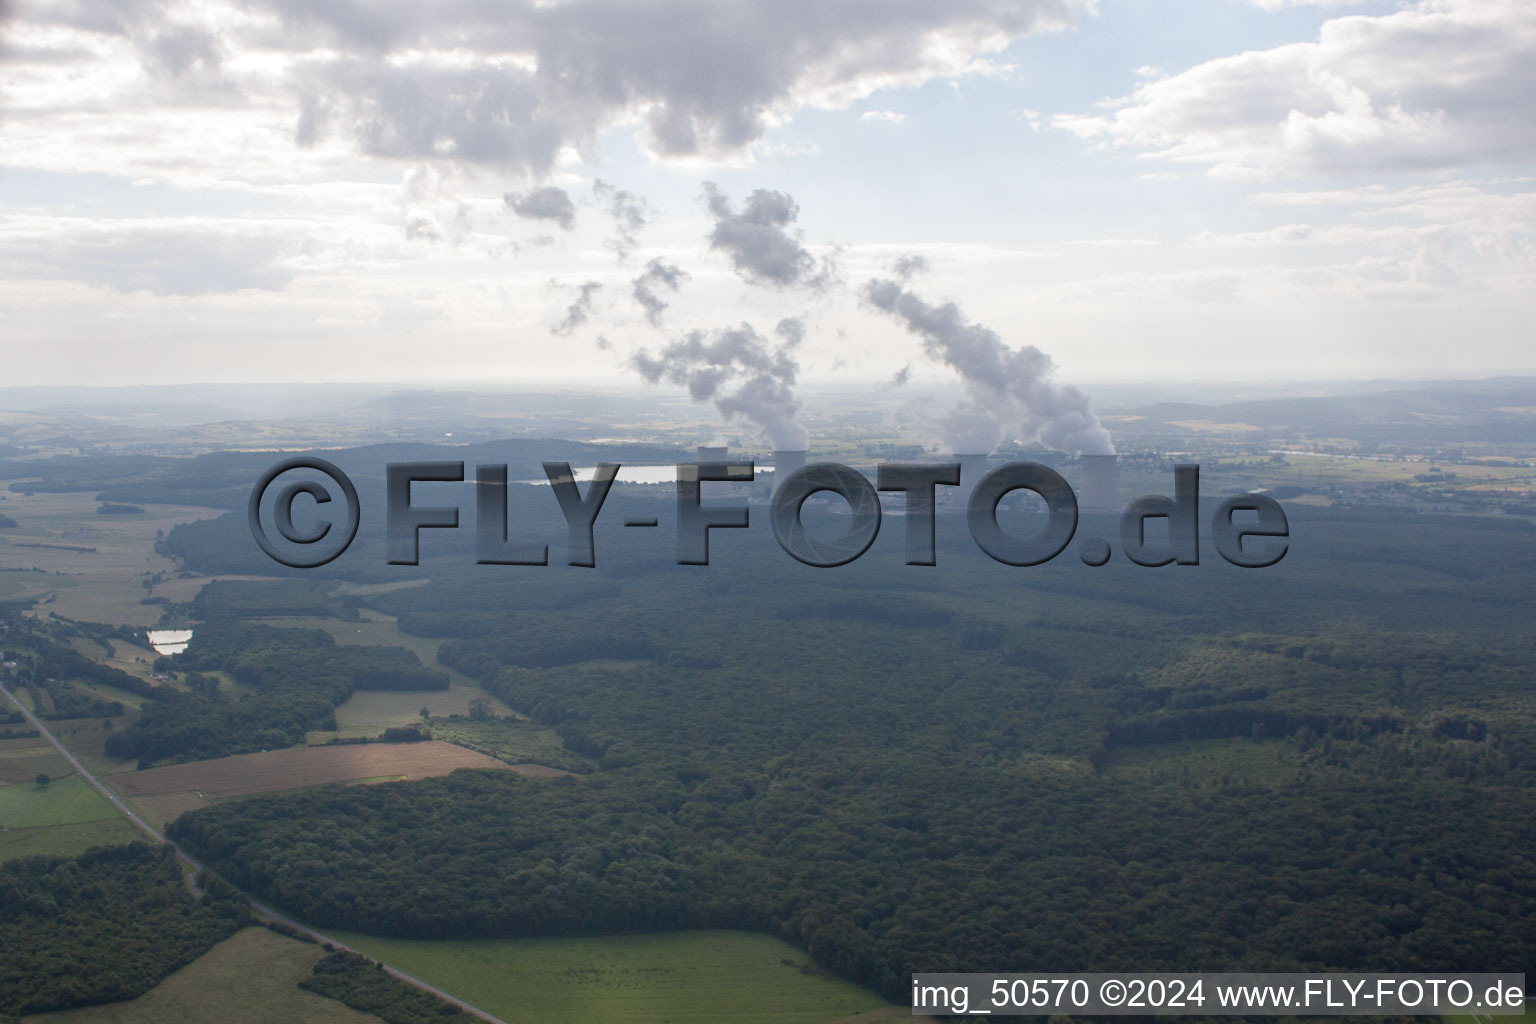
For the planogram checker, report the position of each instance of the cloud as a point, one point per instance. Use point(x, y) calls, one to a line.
point(888, 116)
point(547, 203)
point(165, 259)
point(746, 375)
point(1441, 84)
point(757, 241)
point(629, 213)
point(1009, 391)
point(580, 310)
point(658, 274)
point(516, 84)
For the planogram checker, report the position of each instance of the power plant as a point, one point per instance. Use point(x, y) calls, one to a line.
point(972, 469)
point(785, 463)
point(1099, 493)
point(711, 453)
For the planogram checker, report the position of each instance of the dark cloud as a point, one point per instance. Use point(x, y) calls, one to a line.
point(1009, 391)
point(746, 375)
point(547, 203)
point(760, 242)
point(580, 310)
point(658, 274)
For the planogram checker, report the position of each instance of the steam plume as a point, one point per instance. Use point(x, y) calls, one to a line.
point(746, 375)
point(658, 274)
point(1008, 390)
point(580, 310)
point(758, 242)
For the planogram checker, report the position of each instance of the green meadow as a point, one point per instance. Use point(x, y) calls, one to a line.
point(715, 976)
point(63, 818)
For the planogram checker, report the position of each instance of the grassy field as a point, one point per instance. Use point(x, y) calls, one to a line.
point(87, 740)
point(250, 978)
point(65, 817)
point(21, 760)
point(61, 802)
point(66, 840)
point(714, 976)
point(367, 713)
point(1528, 1017)
point(512, 741)
point(94, 566)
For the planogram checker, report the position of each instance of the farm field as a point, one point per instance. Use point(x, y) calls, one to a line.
point(64, 818)
point(250, 978)
point(87, 740)
point(66, 840)
point(297, 767)
point(22, 759)
point(60, 802)
point(367, 713)
point(94, 566)
point(739, 977)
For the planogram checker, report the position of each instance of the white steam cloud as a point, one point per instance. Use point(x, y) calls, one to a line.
point(548, 203)
point(579, 311)
point(658, 274)
point(1009, 391)
point(746, 375)
point(759, 242)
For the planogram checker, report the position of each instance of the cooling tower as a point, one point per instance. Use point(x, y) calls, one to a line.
point(1099, 494)
point(785, 463)
point(972, 469)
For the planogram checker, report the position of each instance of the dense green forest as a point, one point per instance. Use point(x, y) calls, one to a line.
point(296, 678)
point(1325, 764)
point(104, 926)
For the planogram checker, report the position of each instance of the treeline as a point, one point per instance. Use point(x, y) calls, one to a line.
point(364, 985)
point(59, 699)
point(234, 599)
point(104, 926)
point(1248, 723)
point(299, 677)
point(880, 870)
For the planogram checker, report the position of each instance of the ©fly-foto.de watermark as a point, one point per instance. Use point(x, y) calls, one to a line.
point(1248, 530)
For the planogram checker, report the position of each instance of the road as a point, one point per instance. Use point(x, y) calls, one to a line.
point(194, 867)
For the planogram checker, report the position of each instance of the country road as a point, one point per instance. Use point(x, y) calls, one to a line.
point(196, 867)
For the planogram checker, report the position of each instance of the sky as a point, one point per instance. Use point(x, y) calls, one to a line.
point(740, 198)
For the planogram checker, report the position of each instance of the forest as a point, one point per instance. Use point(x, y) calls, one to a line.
point(104, 926)
point(1327, 764)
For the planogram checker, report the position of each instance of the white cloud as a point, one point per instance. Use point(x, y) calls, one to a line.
point(223, 84)
point(1442, 84)
point(888, 116)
